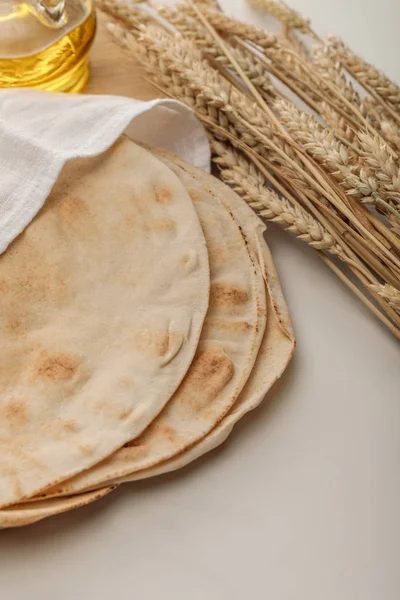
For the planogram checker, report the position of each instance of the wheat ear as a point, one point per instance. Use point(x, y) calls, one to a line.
point(326, 63)
point(125, 11)
point(229, 26)
point(239, 172)
point(368, 75)
point(382, 163)
point(283, 13)
point(193, 30)
point(321, 143)
point(289, 38)
point(185, 71)
point(389, 293)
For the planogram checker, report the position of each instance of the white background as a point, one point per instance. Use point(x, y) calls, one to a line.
point(303, 501)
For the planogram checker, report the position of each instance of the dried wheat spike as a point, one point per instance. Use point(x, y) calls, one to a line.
point(366, 73)
point(383, 164)
point(287, 37)
point(337, 123)
point(254, 70)
point(230, 26)
point(389, 293)
point(124, 11)
point(239, 172)
point(209, 87)
point(212, 96)
point(394, 225)
point(281, 11)
point(338, 160)
point(161, 70)
point(327, 65)
point(381, 121)
point(320, 142)
point(212, 4)
point(190, 27)
point(154, 63)
point(193, 30)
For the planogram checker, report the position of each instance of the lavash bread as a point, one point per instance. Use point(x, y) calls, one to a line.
point(103, 298)
point(31, 512)
point(274, 353)
point(228, 346)
point(172, 440)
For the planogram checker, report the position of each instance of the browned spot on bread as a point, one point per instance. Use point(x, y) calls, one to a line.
point(125, 413)
point(71, 426)
point(125, 384)
point(125, 453)
point(86, 449)
point(136, 443)
point(163, 195)
point(209, 363)
point(17, 489)
point(16, 413)
point(161, 343)
point(218, 255)
point(194, 194)
point(29, 284)
point(57, 367)
point(161, 225)
point(155, 342)
point(71, 209)
point(14, 323)
point(228, 294)
point(112, 410)
point(210, 371)
point(230, 325)
point(165, 431)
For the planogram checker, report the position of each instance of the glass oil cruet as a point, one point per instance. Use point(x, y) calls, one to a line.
point(44, 43)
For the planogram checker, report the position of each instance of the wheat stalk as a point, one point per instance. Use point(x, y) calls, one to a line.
point(229, 26)
point(126, 11)
point(211, 3)
point(183, 21)
point(283, 13)
point(338, 124)
point(162, 56)
point(382, 163)
point(388, 293)
point(326, 63)
point(382, 122)
point(192, 30)
point(244, 116)
point(321, 143)
point(184, 71)
point(251, 118)
point(180, 77)
point(295, 68)
point(289, 38)
point(367, 74)
point(238, 171)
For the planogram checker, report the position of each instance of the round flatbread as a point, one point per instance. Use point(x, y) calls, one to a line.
point(275, 352)
point(229, 342)
point(31, 512)
point(276, 348)
point(103, 298)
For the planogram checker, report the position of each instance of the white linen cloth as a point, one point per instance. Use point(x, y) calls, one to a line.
point(40, 131)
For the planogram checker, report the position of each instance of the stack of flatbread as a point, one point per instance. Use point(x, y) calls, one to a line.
point(141, 317)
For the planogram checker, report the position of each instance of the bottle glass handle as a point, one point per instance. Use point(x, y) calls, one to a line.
point(50, 12)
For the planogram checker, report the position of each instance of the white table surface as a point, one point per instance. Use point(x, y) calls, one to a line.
point(303, 501)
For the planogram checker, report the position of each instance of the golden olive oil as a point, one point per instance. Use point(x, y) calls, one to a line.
point(35, 55)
